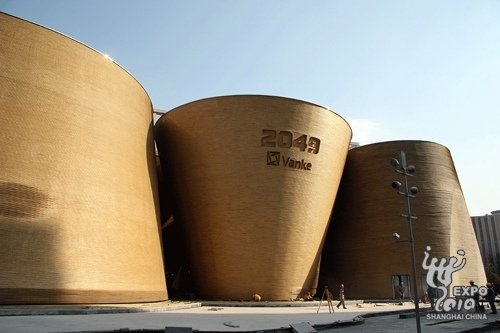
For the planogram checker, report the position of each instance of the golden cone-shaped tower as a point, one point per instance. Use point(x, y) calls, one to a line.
point(254, 180)
point(78, 186)
point(360, 251)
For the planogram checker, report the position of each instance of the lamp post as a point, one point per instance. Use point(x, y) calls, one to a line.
point(402, 168)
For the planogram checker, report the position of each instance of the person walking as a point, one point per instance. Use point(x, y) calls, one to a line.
point(401, 291)
point(341, 296)
point(475, 296)
point(432, 295)
point(490, 297)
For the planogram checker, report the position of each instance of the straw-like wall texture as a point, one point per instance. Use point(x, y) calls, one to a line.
point(78, 193)
point(360, 250)
point(254, 181)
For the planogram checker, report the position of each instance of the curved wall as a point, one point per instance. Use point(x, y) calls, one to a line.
point(254, 179)
point(78, 193)
point(360, 250)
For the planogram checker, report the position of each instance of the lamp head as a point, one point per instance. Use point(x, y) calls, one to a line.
point(413, 190)
point(394, 162)
point(396, 185)
point(410, 169)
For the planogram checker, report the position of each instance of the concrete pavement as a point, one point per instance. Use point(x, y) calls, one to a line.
point(394, 324)
point(220, 317)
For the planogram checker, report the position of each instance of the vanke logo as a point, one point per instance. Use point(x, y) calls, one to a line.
point(275, 158)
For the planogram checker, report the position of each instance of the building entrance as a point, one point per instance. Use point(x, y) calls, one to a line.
point(400, 286)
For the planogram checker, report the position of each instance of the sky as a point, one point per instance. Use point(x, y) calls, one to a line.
point(394, 69)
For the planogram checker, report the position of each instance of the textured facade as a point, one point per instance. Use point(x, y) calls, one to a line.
point(250, 180)
point(360, 250)
point(78, 186)
point(254, 181)
point(487, 230)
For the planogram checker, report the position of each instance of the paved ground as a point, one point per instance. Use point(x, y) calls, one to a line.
point(222, 317)
point(393, 324)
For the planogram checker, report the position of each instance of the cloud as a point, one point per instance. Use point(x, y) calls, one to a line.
point(366, 131)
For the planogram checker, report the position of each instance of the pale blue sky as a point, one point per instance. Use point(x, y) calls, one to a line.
point(425, 70)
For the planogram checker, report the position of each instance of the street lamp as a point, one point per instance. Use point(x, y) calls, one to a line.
point(408, 192)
